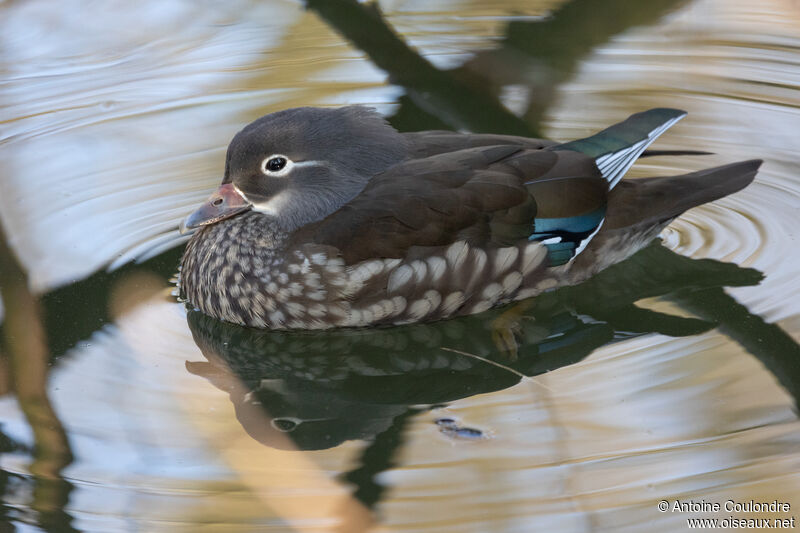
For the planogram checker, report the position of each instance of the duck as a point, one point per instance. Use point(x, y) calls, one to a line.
point(331, 218)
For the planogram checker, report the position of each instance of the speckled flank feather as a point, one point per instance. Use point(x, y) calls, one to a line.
point(241, 273)
point(448, 281)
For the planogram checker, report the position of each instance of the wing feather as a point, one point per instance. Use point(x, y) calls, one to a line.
point(487, 196)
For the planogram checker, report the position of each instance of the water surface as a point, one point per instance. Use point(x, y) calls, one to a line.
point(674, 375)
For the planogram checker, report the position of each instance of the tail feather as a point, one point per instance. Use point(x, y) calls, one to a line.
point(616, 148)
point(653, 200)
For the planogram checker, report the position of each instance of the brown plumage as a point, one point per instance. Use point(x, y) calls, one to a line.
point(486, 196)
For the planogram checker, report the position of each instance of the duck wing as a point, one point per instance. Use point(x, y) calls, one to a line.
point(621, 142)
point(489, 196)
point(433, 142)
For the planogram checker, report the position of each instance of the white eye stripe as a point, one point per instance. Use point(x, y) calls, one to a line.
point(288, 166)
point(309, 163)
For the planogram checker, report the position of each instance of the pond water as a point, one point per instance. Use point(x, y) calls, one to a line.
point(672, 376)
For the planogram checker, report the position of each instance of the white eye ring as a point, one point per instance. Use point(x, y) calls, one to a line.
point(287, 167)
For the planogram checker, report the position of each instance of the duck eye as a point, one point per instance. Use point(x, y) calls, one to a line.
point(274, 164)
point(285, 425)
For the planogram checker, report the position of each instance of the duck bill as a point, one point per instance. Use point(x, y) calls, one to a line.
point(224, 203)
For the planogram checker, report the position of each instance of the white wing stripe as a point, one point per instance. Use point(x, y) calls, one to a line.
point(585, 242)
point(615, 165)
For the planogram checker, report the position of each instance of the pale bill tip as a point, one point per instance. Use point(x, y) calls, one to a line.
point(183, 229)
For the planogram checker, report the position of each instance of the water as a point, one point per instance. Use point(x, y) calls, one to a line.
point(121, 412)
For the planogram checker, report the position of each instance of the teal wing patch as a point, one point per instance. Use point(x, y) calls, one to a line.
point(566, 237)
point(569, 212)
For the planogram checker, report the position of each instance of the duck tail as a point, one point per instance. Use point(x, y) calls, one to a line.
point(658, 200)
point(616, 148)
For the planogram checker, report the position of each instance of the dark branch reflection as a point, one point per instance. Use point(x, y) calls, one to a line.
point(539, 55)
point(776, 350)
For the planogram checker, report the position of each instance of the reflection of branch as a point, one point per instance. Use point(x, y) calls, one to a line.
point(26, 346)
point(378, 457)
point(552, 49)
point(653, 271)
point(539, 55)
point(776, 350)
point(696, 285)
point(634, 319)
point(455, 101)
point(5, 373)
point(68, 323)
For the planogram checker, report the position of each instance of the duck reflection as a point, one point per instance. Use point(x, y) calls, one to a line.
point(322, 388)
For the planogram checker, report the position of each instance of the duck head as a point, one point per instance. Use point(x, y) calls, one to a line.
point(299, 165)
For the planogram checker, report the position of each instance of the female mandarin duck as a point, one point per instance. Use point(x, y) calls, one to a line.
point(330, 218)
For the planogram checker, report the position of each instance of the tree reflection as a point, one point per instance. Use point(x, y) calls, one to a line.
point(25, 347)
point(537, 55)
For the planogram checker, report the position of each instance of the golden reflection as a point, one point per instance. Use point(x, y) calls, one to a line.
point(292, 485)
point(25, 346)
point(295, 489)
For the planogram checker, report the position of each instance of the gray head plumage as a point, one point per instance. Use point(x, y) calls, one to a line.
point(300, 165)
